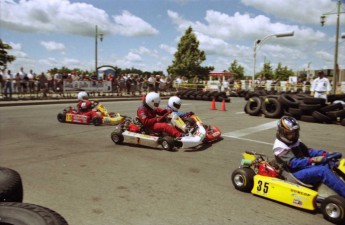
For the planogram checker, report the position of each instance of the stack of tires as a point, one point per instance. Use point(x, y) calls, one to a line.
point(300, 106)
point(12, 208)
point(219, 96)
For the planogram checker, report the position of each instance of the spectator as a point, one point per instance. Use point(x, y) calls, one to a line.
point(8, 84)
point(2, 81)
point(321, 86)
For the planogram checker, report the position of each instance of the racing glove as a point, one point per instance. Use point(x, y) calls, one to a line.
point(162, 118)
point(318, 160)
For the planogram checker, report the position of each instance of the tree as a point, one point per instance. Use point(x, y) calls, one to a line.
point(237, 70)
point(188, 58)
point(266, 73)
point(282, 73)
point(5, 58)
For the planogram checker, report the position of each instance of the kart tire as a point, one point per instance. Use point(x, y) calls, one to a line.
point(333, 209)
point(117, 137)
point(167, 143)
point(28, 214)
point(11, 186)
point(288, 100)
point(61, 117)
point(243, 179)
point(97, 121)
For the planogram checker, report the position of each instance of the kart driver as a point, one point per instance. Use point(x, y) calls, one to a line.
point(85, 106)
point(148, 112)
point(174, 104)
point(306, 164)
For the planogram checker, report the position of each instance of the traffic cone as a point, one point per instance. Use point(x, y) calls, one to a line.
point(223, 106)
point(213, 104)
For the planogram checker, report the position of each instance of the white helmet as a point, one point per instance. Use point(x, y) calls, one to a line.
point(152, 99)
point(174, 103)
point(82, 95)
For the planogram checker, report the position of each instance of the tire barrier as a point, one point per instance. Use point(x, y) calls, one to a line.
point(301, 106)
point(14, 211)
point(218, 96)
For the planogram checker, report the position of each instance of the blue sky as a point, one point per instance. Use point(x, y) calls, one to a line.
point(144, 33)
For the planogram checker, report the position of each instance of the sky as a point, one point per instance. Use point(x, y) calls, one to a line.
point(144, 34)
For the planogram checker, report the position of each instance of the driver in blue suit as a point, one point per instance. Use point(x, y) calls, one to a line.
point(306, 164)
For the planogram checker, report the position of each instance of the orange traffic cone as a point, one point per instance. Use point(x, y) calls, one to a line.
point(213, 104)
point(223, 106)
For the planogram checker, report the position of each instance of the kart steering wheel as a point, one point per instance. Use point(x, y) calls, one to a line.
point(334, 155)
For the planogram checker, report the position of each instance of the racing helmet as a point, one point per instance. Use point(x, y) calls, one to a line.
point(288, 130)
point(82, 96)
point(152, 99)
point(174, 103)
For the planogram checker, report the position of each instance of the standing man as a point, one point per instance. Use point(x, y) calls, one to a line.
point(8, 78)
point(320, 87)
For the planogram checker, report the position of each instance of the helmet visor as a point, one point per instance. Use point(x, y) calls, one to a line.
point(176, 105)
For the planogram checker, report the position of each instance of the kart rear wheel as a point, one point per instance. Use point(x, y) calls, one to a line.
point(243, 179)
point(61, 117)
point(117, 137)
point(333, 209)
point(97, 121)
point(167, 143)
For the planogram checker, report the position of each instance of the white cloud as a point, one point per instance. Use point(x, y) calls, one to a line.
point(133, 57)
point(53, 46)
point(66, 17)
point(171, 50)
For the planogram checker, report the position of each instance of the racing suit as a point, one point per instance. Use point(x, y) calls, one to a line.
point(297, 158)
point(148, 118)
point(86, 108)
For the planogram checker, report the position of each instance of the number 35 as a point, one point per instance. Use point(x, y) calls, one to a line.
point(265, 189)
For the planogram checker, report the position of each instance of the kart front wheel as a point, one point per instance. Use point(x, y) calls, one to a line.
point(167, 143)
point(243, 179)
point(97, 121)
point(333, 209)
point(117, 137)
point(61, 117)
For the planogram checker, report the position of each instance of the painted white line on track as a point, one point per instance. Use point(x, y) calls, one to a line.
point(251, 130)
point(240, 112)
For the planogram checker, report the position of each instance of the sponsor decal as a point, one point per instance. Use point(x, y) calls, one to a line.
point(299, 192)
point(297, 202)
point(215, 134)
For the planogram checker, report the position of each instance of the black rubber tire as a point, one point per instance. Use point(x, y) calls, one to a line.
point(61, 117)
point(308, 118)
point(312, 100)
point(11, 186)
point(271, 108)
point(295, 112)
point(97, 121)
point(253, 106)
point(342, 122)
point(28, 214)
point(117, 137)
point(167, 143)
point(336, 113)
point(309, 107)
point(288, 100)
point(333, 209)
point(322, 118)
point(243, 179)
point(332, 107)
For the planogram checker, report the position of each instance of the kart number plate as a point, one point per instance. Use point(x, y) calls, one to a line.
point(262, 186)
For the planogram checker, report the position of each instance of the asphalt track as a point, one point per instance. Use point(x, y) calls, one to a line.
point(79, 172)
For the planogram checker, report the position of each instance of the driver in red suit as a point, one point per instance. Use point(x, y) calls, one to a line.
point(148, 112)
point(85, 106)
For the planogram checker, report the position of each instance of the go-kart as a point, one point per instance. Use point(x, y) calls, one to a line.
point(213, 133)
point(265, 178)
point(133, 132)
point(71, 115)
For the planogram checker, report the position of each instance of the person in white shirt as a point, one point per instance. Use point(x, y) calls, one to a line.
point(321, 86)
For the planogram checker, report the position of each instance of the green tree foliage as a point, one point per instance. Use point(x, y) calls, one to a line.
point(188, 58)
point(282, 73)
point(237, 70)
point(5, 58)
point(266, 72)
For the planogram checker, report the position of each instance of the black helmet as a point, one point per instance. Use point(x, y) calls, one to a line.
point(288, 130)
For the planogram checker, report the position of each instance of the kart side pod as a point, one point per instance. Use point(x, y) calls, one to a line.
point(285, 192)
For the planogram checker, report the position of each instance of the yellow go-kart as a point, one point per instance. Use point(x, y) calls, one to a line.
point(264, 178)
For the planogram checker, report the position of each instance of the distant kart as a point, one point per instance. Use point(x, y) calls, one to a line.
point(264, 178)
point(213, 133)
point(133, 132)
point(70, 115)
